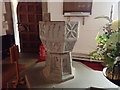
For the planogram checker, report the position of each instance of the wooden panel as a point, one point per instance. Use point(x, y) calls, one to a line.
point(38, 8)
point(31, 18)
point(77, 6)
point(22, 8)
point(23, 18)
point(31, 8)
point(39, 17)
point(29, 15)
point(32, 28)
point(14, 54)
point(24, 37)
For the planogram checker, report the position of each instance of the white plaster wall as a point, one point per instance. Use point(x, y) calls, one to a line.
point(14, 4)
point(1, 19)
point(3, 11)
point(0, 45)
point(86, 42)
point(119, 10)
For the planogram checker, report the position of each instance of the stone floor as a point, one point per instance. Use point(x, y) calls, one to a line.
point(84, 77)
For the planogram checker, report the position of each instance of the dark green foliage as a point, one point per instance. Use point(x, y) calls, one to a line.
point(108, 45)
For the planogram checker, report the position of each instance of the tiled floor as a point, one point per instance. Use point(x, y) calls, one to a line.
point(84, 77)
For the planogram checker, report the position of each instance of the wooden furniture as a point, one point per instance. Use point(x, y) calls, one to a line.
point(29, 14)
point(8, 71)
point(14, 56)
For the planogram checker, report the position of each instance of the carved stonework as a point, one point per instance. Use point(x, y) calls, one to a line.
point(71, 30)
point(58, 66)
point(58, 38)
point(58, 35)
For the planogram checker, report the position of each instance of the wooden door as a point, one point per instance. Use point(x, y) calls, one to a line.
point(29, 15)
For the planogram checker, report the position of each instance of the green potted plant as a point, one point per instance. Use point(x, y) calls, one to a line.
point(108, 48)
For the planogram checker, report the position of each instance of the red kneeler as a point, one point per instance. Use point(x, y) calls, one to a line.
point(42, 54)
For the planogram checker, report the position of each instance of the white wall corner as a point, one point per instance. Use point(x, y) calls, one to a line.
point(14, 4)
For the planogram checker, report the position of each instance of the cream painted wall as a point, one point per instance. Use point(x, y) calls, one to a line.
point(3, 11)
point(14, 4)
point(86, 41)
point(1, 19)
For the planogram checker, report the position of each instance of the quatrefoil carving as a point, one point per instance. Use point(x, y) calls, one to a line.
point(71, 30)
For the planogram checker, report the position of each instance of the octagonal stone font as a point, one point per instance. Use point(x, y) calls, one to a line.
point(58, 38)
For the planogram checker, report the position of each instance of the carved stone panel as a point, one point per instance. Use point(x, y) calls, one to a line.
point(57, 66)
point(71, 30)
point(58, 35)
point(58, 38)
point(53, 34)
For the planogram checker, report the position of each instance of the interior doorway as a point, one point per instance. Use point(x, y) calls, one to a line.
point(29, 14)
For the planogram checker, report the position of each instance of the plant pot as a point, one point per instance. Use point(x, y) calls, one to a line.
point(115, 81)
point(104, 64)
